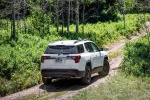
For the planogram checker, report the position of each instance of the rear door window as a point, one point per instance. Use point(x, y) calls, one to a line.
point(88, 47)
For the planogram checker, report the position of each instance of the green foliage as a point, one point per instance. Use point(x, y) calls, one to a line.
point(3, 87)
point(130, 4)
point(41, 21)
point(133, 6)
point(136, 58)
point(20, 61)
point(107, 32)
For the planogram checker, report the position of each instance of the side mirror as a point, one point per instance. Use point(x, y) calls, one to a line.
point(101, 49)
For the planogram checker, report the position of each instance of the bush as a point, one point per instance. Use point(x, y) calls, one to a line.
point(136, 58)
point(20, 62)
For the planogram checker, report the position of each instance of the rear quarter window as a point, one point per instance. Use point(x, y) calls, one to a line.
point(80, 48)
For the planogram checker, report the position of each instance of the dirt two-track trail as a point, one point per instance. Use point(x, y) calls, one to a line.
point(70, 87)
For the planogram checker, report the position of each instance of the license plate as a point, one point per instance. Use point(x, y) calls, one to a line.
point(58, 60)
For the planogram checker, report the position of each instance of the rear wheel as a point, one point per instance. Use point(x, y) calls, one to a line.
point(46, 81)
point(87, 78)
point(106, 68)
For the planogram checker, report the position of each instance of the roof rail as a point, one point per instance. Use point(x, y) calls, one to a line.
point(76, 41)
point(57, 40)
point(80, 40)
point(85, 39)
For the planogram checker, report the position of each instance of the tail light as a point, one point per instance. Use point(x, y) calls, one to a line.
point(75, 58)
point(44, 57)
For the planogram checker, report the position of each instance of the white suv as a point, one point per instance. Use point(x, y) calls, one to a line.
point(73, 58)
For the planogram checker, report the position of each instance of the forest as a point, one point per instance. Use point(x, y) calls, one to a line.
point(27, 26)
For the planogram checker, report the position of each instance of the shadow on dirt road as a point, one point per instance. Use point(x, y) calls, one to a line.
point(60, 85)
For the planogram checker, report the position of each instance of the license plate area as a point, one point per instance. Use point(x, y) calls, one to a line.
point(58, 60)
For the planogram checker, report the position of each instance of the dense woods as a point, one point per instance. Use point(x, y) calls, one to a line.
point(27, 26)
point(41, 15)
point(45, 13)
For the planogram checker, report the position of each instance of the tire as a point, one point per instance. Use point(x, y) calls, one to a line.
point(106, 68)
point(86, 80)
point(46, 81)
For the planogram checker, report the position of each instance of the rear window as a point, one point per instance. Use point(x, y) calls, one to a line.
point(61, 50)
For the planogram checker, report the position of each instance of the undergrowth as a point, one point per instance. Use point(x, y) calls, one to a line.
point(136, 58)
point(20, 61)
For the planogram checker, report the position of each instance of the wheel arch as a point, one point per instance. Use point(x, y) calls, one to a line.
point(105, 57)
point(88, 63)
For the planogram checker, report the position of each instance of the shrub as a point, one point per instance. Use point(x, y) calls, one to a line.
point(136, 58)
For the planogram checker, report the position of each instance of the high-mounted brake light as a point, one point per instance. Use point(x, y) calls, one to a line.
point(44, 57)
point(75, 58)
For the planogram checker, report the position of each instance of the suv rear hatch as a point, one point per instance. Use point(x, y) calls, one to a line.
point(60, 56)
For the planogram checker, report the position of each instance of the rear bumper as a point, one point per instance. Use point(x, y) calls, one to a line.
point(62, 73)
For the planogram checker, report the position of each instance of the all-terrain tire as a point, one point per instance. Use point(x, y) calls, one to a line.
point(106, 68)
point(86, 80)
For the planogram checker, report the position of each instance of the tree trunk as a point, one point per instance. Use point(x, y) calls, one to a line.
point(124, 11)
point(98, 13)
point(68, 18)
point(83, 20)
point(77, 16)
point(72, 11)
point(62, 17)
point(13, 35)
point(57, 15)
point(7, 26)
point(24, 19)
point(43, 24)
point(49, 22)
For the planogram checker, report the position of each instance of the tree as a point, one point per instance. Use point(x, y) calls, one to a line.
point(68, 18)
point(62, 4)
point(77, 16)
point(57, 15)
point(13, 35)
point(124, 13)
point(12, 9)
point(83, 14)
point(24, 17)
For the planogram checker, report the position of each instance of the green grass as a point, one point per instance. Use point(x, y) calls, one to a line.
point(116, 53)
point(28, 97)
point(119, 87)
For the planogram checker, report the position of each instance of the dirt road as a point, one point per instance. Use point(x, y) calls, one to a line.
point(62, 89)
